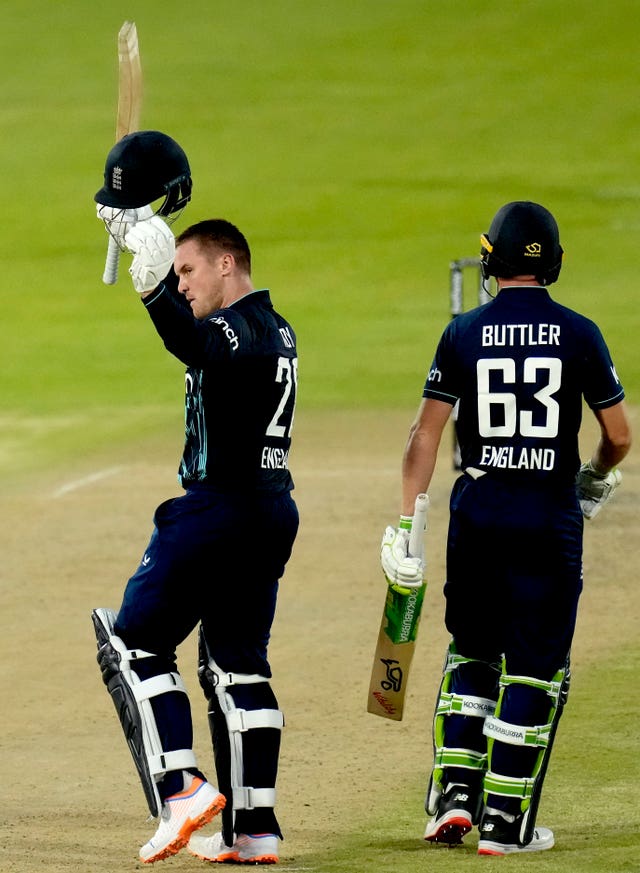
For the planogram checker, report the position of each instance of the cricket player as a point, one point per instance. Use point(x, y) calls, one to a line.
point(216, 552)
point(519, 367)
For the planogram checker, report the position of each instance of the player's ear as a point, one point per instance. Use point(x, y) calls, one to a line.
point(227, 263)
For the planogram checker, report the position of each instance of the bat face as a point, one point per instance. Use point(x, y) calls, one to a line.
point(130, 81)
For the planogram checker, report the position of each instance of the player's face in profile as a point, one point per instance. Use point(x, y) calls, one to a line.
point(200, 278)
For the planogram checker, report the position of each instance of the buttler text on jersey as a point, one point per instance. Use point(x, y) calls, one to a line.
point(521, 335)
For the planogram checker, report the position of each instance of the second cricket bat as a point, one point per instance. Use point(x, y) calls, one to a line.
point(398, 631)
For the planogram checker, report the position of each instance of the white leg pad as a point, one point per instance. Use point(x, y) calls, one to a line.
point(238, 722)
point(132, 697)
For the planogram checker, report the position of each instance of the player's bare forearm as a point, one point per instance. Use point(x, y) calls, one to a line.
point(615, 439)
point(421, 451)
point(418, 465)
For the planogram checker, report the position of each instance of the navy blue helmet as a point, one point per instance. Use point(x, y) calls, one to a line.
point(523, 240)
point(143, 167)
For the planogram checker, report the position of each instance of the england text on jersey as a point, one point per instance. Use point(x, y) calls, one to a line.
point(521, 335)
point(511, 458)
point(274, 459)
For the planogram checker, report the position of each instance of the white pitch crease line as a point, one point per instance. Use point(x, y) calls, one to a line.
point(87, 480)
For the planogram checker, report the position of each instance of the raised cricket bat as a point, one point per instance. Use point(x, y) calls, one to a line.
point(128, 117)
point(398, 631)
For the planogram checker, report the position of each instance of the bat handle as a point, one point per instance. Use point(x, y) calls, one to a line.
point(418, 526)
point(110, 275)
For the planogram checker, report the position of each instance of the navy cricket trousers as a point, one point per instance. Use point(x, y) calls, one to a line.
point(216, 559)
point(514, 572)
point(514, 578)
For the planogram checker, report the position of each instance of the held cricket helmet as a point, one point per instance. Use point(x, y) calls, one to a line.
point(143, 167)
point(523, 240)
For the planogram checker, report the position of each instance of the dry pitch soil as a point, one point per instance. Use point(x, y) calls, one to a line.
point(70, 540)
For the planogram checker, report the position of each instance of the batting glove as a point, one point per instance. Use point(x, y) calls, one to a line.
point(399, 568)
point(153, 246)
point(594, 489)
point(119, 222)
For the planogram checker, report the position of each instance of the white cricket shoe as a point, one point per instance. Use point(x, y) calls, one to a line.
point(180, 816)
point(246, 849)
point(499, 835)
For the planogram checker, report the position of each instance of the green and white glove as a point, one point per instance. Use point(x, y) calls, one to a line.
point(594, 489)
point(398, 567)
point(154, 247)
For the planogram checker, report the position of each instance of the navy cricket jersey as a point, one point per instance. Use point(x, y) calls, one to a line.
point(520, 366)
point(240, 390)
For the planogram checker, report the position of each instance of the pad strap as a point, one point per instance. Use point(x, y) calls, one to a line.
point(470, 759)
point(517, 735)
point(250, 798)
point(509, 786)
point(180, 759)
point(117, 642)
point(219, 679)
point(464, 704)
point(247, 719)
point(454, 660)
point(552, 688)
point(156, 685)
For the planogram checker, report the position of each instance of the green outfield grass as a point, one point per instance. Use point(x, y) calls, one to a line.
point(361, 145)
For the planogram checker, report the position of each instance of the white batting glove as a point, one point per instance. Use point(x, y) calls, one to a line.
point(119, 222)
point(594, 489)
point(153, 247)
point(398, 567)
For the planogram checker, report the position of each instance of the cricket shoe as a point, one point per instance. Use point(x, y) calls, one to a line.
point(499, 833)
point(454, 817)
point(246, 849)
point(181, 815)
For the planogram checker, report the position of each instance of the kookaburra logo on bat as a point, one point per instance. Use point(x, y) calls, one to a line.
point(393, 680)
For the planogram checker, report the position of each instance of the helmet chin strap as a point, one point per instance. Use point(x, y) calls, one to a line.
point(486, 285)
